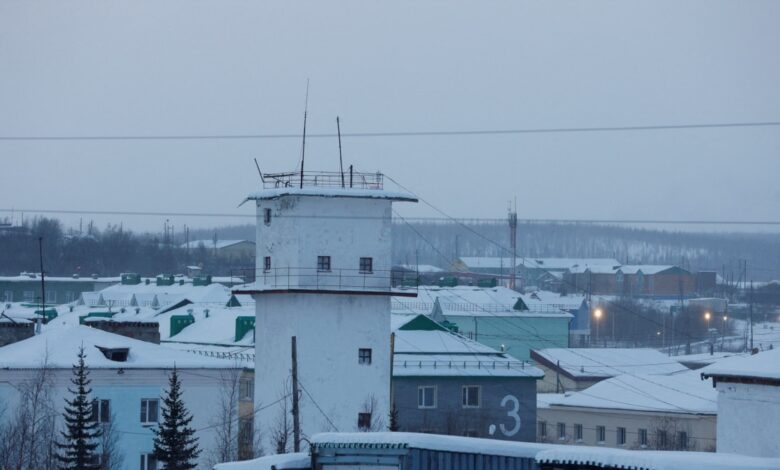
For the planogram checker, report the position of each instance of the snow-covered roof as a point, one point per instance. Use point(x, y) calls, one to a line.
point(552, 264)
point(442, 353)
point(607, 362)
point(601, 457)
point(168, 295)
point(648, 269)
point(276, 193)
point(62, 345)
point(543, 300)
point(704, 359)
point(210, 244)
point(299, 460)
point(679, 393)
point(562, 264)
point(764, 365)
point(422, 268)
point(476, 301)
point(543, 400)
point(36, 276)
point(406, 440)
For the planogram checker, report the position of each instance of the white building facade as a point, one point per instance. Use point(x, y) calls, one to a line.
point(748, 403)
point(324, 277)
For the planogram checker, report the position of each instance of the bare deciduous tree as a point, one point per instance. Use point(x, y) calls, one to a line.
point(111, 456)
point(27, 436)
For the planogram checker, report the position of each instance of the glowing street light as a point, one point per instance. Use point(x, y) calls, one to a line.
point(707, 316)
point(597, 313)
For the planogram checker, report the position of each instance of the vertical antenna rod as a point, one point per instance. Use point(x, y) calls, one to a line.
point(303, 147)
point(341, 161)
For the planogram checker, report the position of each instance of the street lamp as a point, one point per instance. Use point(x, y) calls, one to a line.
point(597, 315)
point(707, 316)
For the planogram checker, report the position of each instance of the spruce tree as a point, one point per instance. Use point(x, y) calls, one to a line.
point(175, 443)
point(78, 450)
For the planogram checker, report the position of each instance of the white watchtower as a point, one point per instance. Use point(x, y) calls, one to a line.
point(324, 276)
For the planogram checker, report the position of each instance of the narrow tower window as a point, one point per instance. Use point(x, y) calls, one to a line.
point(366, 265)
point(266, 264)
point(323, 263)
point(267, 216)
point(364, 356)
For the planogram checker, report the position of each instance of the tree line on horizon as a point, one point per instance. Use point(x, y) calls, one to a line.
point(115, 249)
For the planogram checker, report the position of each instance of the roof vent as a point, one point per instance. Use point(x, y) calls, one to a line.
point(76, 276)
point(115, 354)
point(94, 276)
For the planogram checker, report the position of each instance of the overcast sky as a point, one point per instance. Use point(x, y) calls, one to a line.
point(227, 67)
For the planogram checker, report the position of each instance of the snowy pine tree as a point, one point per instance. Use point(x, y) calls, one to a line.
point(175, 444)
point(78, 450)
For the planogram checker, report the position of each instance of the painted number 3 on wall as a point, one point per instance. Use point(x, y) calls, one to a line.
point(512, 413)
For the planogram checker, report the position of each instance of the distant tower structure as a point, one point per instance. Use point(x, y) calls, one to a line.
point(513, 244)
point(324, 277)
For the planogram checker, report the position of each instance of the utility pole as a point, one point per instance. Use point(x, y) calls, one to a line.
point(295, 409)
point(751, 316)
point(513, 244)
point(392, 355)
point(43, 288)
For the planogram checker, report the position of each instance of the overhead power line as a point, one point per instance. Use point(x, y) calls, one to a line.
point(474, 220)
point(443, 133)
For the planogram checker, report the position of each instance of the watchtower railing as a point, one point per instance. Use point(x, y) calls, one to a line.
point(324, 179)
point(313, 279)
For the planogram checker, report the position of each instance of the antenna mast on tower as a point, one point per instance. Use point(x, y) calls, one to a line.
point(341, 161)
point(303, 147)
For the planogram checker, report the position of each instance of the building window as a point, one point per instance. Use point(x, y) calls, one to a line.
point(246, 427)
point(101, 411)
point(51, 297)
point(682, 440)
point(561, 431)
point(323, 263)
point(364, 356)
point(69, 296)
point(601, 434)
point(149, 407)
point(542, 430)
point(266, 264)
point(148, 462)
point(29, 296)
point(660, 439)
point(426, 396)
point(643, 437)
point(471, 398)
point(267, 216)
point(366, 265)
point(246, 390)
point(578, 432)
point(364, 421)
point(9, 296)
point(621, 436)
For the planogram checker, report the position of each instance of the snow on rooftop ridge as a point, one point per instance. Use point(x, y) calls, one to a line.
point(679, 393)
point(609, 362)
point(602, 457)
point(210, 244)
point(444, 443)
point(62, 344)
point(297, 460)
point(764, 365)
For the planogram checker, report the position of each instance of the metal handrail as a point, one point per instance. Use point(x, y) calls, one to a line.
point(327, 179)
point(335, 279)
